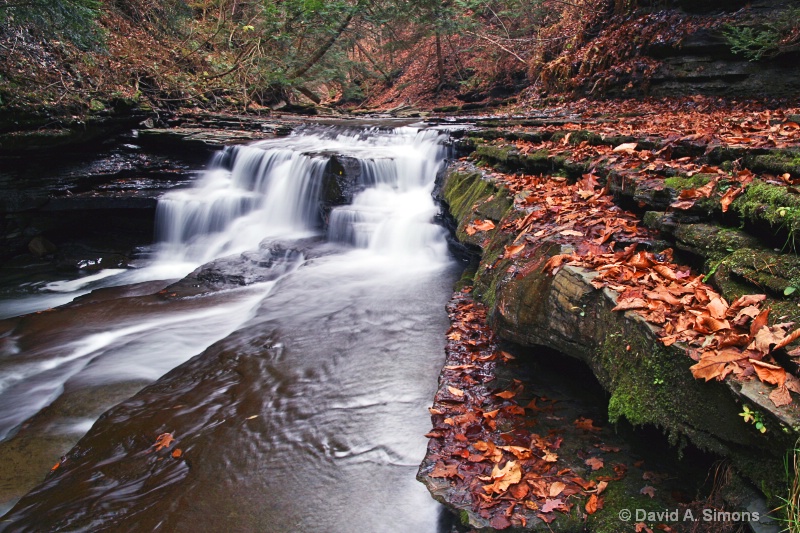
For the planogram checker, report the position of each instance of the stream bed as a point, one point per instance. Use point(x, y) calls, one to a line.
point(306, 357)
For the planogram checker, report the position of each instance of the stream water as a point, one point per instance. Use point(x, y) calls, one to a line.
point(318, 351)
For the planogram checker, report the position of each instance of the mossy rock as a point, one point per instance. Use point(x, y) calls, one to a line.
point(577, 137)
point(712, 241)
point(776, 162)
point(680, 183)
point(770, 204)
point(769, 270)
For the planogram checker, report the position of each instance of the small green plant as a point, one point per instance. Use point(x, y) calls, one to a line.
point(658, 381)
point(767, 39)
point(753, 417)
point(791, 504)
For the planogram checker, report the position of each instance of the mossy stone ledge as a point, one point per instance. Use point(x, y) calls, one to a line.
point(647, 382)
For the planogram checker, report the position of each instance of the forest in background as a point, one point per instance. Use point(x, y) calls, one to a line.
point(76, 56)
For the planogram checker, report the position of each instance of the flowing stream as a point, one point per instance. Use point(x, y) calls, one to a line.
point(318, 350)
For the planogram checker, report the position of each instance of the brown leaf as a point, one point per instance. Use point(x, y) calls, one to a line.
point(649, 491)
point(633, 303)
point(586, 424)
point(177, 452)
point(591, 504)
point(746, 301)
point(773, 374)
point(712, 364)
point(500, 522)
point(520, 490)
point(601, 487)
point(595, 462)
point(730, 195)
point(504, 477)
point(780, 396)
point(712, 324)
point(557, 488)
point(551, 505)
point(518, 451)
point(717, 308)
point(485, 225)
point(514, 249)
point(759, 322)
point(163, 441)
point(765, 339)
point(790, 338)
point(440, 470)
point(455, 392)
point(628, 148)
point(506, 395)
point(666, 272)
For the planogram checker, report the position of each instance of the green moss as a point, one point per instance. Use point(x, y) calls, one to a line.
point(680, 183)
point(467, 278)
point(773, 204)
point(96, 106)
point(619, 496)
point(776, 162)
point(577, 137)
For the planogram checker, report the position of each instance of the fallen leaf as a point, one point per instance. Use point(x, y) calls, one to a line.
point(790, 338)
point(592, 504)
point(773, 374)
point(557, 488)
point(513, 250)
point(626, 147)
point(163, 441)
point(595, 462)
point(506, 395)
point(455, 392)
point(586, 424)
point(177, 452)
point(780, 396)
point(551, 505)
point(649, 491)
point(504, 477)
point(730, 195)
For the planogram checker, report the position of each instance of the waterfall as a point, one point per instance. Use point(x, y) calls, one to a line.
point(274, 190)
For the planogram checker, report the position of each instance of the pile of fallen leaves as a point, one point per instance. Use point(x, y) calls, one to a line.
point(482, 441)
point(724, 339)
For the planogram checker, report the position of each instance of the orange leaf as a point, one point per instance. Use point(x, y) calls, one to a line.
point(730, 195)
point(513, 250)
point(557, 488)
point(506, 395)
point(776, 375)
point(790, 338)
point(177, 452)
point(595, 462)
point(455, 392)
point(591, 504)
point(759, 322)
point(163, 441)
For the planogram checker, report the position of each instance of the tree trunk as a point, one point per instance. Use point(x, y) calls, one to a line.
point(440, 60)
point(325, 47)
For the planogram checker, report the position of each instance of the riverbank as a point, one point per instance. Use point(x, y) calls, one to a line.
point(594, 236)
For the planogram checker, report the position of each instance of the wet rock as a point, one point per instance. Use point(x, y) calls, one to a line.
point(266, 264)
point(41, 247)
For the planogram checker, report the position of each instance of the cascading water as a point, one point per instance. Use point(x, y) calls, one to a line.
point(320, 423)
